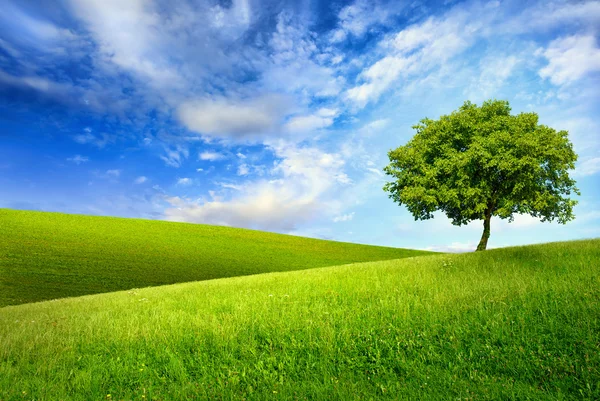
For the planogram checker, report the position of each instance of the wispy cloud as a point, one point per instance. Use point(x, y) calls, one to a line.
point(417, 49)
point(211, 156)
point(495, 70)
point(78, 159)
point(299, 192)
point(131, 36)
point(343, 217)
point(356, 19)
point(175, 156)
point(589, 166)
point(322, 118)
point(570, 58)
point(243, 169)
point(100, 140)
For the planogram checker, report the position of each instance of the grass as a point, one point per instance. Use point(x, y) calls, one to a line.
point(52, 255)
point(517, 323)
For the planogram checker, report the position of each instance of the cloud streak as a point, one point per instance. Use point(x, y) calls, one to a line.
point(297, 192)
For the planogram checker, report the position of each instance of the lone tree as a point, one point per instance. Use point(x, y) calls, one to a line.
point(480, 162)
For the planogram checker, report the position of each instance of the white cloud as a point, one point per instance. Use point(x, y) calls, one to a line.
point(343, 178)
point(494, 71)
point(231, 186)
point(323, 118)
point(159, 50)
point(175, 156)
point(546, 16)
point(233, 119)
point(360, 17)
point(338, 35)
point(130, 35)
point(312, 168)
point(296, 63)
point(379, 78)
point(344, 217)
point(100, 140)
point(587, 216)
point(571, 58)
point(420, 48)
point(438, 39)
point(113, 173)
point(375, 171)
point(33, 30)
point(211, 156)
point(374, 127)
point(300, 191)
point(264, 206)
point(243, 169)
point(78, 159)
point(587, 167)
point(84, 138)
point(184, 181)
point(236, 17)
point(310, 79)
point(240, 155)
point(35, 82)
point(140, 180)
point(94, 98)
point(337, 59)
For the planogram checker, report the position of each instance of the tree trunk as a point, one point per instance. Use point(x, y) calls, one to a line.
point(486, 231)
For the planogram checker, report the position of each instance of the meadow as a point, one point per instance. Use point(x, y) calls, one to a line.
point(45, 256)
point(518, 323)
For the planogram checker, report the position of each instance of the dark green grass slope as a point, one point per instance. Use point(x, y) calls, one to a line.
point(508, 324)
point(51, 255)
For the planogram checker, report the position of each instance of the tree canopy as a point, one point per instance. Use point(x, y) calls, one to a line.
point(480, 162)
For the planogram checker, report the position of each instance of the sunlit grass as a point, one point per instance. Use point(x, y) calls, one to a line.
point(516, 323)
point(52, 255)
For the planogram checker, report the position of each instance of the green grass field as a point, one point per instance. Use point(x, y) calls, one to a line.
point(51, 255)
point(509, 324)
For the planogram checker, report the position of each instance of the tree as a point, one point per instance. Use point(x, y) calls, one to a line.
point(480, 162)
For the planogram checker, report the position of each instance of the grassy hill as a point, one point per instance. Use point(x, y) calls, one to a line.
point(52, 255)
point(516, 323)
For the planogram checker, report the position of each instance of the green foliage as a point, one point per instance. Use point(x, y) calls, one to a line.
point(480, 162)
point(52, 255)
point(509, 324)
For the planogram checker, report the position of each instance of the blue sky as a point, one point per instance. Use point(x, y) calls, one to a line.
point(278, 115)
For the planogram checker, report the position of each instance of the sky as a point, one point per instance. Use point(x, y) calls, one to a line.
point(278, 116)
